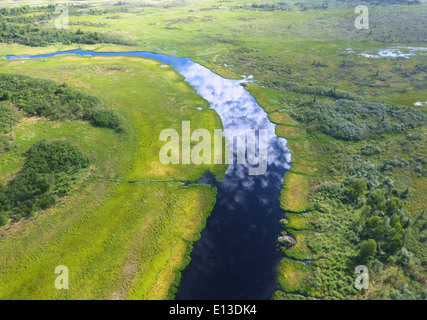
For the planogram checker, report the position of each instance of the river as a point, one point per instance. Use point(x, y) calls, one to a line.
point(238, 252)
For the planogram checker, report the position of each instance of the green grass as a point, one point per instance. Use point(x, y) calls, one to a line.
point(294, 277)
point(293, 196)
point(300, 221)
point(119, 240)
point(300, 251)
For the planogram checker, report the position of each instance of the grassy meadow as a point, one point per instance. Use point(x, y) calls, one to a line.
point(129, 239)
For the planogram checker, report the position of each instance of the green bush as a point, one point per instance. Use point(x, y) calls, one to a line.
point(369, 150)
point(46, 98)
point(106, 118)
point(3, 219)
point(54, 156)
point(356, 188)
point(7, 117)
point(368, 249)
point(41, 180)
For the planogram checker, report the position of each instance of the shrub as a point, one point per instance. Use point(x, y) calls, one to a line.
point(106, 118)
point(3, 219)
point(47, 165)
point(54, 156)
point(356, 188)
point(369, 150)
point(398, 162)
point(368, 249)
point(7, 117)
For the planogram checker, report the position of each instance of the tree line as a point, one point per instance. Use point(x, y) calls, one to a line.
point(17, 26)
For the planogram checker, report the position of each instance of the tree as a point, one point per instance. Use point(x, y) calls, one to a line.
point(368, 249)
point(356, 188)
point(3, 218)
point(106, 118)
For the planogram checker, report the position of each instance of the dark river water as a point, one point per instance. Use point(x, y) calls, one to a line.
point(238, 252)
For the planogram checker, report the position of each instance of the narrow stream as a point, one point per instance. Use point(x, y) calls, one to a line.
point(238, 253)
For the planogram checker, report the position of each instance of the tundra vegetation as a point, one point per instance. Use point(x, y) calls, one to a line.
point(355, 194)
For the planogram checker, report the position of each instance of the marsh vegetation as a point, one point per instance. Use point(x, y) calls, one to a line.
point(356, 191)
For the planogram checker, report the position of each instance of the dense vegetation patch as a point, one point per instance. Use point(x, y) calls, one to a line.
point(45, 98)
point(373, 230)
point(17, 26)
point(382, 219)
point(42, 36)
point(7, 117)
point(355, 121)
point(280, 6)
point(303, 6)
point(51, 169)
point(361, 197)
point(103, 118)
point(315, 90)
